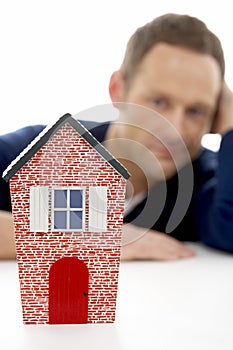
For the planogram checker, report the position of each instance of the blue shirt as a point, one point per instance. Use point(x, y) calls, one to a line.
point(207, 217)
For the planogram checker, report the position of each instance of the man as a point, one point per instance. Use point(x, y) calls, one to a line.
point(174, 66)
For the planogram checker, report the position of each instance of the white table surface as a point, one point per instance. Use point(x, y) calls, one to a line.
point(185, 305)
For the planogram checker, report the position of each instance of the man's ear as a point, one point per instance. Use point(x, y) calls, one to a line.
point(116, 87)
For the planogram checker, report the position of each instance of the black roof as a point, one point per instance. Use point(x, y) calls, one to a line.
point(48, 132)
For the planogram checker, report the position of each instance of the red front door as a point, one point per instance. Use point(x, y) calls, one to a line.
point(68, 291)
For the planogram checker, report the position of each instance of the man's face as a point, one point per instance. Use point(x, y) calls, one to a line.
point(183, 87)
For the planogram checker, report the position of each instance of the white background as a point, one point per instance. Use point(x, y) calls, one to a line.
point(57, 56)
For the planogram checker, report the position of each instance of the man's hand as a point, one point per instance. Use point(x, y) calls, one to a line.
point(152, 245)
point(7, 242)
point(223, 121)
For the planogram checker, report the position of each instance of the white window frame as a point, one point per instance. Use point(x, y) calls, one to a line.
point(68, 209)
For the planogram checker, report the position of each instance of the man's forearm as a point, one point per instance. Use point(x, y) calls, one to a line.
point(213, 207)
point(7, 241)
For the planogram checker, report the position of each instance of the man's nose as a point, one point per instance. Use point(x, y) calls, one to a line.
point(176, 118)
point(173, 129)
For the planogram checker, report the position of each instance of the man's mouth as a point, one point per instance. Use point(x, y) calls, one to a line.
point(160, 151)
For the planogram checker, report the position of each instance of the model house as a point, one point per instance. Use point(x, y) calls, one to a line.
point(67, 194)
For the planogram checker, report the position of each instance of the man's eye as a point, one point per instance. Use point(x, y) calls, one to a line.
point(194, 112)
point(159, 102)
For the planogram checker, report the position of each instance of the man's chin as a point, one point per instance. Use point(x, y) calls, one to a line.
point(170, 168)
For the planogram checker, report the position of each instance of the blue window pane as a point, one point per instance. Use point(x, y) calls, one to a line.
point(75, 198)
point(60, 198)
point(60, 220)
point(76, 219)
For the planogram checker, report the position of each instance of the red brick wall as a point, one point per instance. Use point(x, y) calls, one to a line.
point(68, 160)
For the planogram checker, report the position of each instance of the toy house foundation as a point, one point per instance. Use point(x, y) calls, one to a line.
point(67, 195)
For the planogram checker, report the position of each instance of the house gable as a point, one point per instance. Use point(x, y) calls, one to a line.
point(47, 133)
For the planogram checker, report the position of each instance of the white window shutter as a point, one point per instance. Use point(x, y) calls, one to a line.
point(39, 209)
point(98, 209)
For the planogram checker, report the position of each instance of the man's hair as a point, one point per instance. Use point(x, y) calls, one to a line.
point(181, 30)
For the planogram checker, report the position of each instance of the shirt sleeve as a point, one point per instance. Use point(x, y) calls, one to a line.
point(214, 202)
point(11, 145)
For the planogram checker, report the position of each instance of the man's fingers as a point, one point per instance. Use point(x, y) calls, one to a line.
point(156, 246)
